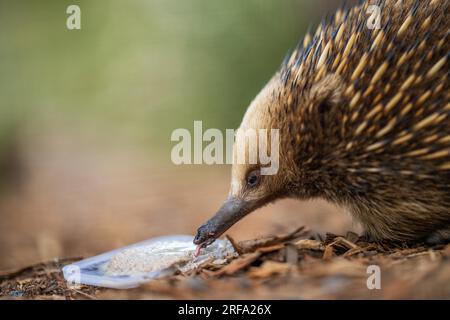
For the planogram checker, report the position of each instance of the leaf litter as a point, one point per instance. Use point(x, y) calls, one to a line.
point(295, 265)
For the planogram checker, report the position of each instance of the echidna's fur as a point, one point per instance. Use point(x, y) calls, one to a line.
point(364, 119)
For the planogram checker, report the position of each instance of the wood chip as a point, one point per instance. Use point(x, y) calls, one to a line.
point(271, 248)
point(235, 245)
point(309, 244)
point(252, 245)
point(446, 251)
point(328, 253)
point(238, 264)
point(352, 237)
point(346, 243)
point(269, 268)
point(291, 254)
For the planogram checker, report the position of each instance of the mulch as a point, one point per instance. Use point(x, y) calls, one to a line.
point(290, 266)
point(42, 281)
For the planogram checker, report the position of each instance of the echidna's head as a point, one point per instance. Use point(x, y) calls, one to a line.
point(259, 170)
point(273, 115)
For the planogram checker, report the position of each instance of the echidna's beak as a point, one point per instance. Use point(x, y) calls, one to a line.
point(231, 212)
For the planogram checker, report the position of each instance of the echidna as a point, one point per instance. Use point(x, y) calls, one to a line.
point(364, 122)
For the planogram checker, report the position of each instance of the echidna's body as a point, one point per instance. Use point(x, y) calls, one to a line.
point(364, 119)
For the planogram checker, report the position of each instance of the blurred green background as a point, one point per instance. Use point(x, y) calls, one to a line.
point(138, 69)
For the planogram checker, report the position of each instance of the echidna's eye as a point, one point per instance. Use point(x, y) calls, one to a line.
point(253, 178)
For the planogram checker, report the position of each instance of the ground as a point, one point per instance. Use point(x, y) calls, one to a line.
point(292, 266)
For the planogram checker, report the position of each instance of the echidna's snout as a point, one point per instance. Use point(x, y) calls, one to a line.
point(229, 213)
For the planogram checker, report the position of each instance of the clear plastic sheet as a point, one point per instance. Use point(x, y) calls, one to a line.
point(177, 252)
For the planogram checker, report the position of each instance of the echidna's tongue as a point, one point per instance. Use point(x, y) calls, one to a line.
point(197, 250)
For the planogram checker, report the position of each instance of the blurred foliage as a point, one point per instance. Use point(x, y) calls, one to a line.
point(141, 68)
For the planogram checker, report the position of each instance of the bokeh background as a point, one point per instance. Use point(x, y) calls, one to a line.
point(86, 117)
